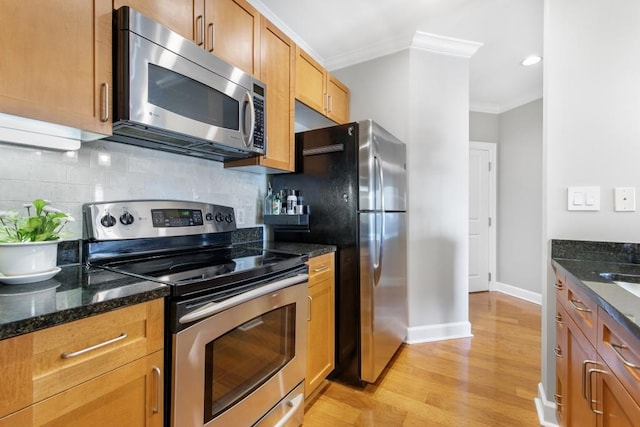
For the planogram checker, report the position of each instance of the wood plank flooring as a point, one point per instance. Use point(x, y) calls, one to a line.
point(488, 380)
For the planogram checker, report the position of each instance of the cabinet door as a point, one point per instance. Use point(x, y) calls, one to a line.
point(131, 395)
point(310, 81)
point(232, 32)
point(337, 100)
point(581, 356)
point(178, 15)
point(619, 408)
point(561, 353)
point(56, 61)
point(320, 334)
point(277, 56)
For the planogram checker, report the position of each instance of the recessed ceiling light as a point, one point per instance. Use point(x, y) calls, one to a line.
point(531, 60)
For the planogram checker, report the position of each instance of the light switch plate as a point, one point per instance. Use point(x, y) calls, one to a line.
point(583, 198)
point(625, 199)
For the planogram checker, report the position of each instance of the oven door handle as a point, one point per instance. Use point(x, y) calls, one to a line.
point(216, 307)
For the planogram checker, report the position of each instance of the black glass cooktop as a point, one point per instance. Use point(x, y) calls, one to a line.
point(208, 269)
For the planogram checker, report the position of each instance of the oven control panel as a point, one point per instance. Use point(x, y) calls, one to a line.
point(135, 219)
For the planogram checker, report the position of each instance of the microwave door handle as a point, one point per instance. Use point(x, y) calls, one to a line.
point(248, 137)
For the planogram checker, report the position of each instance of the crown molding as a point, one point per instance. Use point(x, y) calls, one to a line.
point(499, 109)
point(372, 51)
point(445, 45)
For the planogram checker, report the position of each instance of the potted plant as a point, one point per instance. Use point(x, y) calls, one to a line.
point(29, 244)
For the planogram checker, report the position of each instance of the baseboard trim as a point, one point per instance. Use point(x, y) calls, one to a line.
point(519, 293)
point(546, 410)
point(444, 331)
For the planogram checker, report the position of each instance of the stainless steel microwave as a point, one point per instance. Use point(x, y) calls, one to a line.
point(171, 95)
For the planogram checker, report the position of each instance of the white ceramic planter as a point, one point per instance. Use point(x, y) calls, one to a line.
point(18, 259)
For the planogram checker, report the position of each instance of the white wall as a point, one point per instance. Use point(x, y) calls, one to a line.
point(423, 98)
point(484, 127)
point(103, 170)
point(591, 130)
point(519, 216)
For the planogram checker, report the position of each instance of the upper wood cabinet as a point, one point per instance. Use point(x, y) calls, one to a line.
point(178, 15)
point(230, 29)
point(277, 57)
point(319, 90)
point(55, 64)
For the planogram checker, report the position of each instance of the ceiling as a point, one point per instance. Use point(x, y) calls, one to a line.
point(339, 33)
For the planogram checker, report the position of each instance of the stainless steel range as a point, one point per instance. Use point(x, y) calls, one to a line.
point(236, 316)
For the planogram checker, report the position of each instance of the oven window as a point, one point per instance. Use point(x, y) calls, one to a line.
point(190, 98)
point(244, 358)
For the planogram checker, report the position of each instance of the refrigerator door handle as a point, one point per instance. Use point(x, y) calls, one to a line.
point(379, 191)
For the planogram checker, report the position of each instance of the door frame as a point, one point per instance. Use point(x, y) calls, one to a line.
point(491, 147)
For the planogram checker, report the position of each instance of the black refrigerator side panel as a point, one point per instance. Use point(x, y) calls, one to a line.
point(327, 177)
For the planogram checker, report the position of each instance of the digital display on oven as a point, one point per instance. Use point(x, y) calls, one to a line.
point(176, 217)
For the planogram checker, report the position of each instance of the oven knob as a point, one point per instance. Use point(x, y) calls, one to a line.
point(108, 220)
point(209, 216)
point(229, 218)
point(126, 218)
point(219, 217)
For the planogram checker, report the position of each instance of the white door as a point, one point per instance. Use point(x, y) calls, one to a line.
point(479, 218)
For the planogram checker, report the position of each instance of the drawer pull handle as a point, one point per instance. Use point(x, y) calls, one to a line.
point(574, 303)
point(558, 285)
point(94, 347)
point(309, 307)
point(559, 318)
point(323, 268)
point(626, 363)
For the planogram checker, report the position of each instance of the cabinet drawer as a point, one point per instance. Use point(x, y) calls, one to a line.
point(43, 363)
point(321, 268)
point(620, 350)
point(582, 309)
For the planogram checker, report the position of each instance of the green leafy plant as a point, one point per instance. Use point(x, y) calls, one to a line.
point(45, 224)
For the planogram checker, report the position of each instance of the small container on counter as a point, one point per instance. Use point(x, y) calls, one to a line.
point(292, 201)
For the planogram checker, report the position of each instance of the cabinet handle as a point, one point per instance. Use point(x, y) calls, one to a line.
point(310, 299)
point(66, 355)
point(558, 399)
point(559, 285)
point(104, 95)
point(574, 303)
point(199, 30)
point(584, 376)
point(559, 318)
point(325, 101)
point(211, 33)
point(329, 103)
point(158, 375)
point(322, 268)
point(590, 391)
point(558, 351)
point(626, 363)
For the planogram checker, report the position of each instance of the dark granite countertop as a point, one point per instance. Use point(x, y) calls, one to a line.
point(72, 294)
point(588, 260)
point(309, 249)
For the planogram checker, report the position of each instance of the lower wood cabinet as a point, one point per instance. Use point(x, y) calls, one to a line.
point(597, 365)
point(320, 321)
point(131, 395)
point(103, 370)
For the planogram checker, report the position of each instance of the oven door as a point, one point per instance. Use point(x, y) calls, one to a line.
point(235, 364)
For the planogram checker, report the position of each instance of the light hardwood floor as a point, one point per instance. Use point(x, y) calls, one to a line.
point(488, 380)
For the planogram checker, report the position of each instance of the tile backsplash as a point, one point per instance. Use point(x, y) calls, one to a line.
point(105, 170)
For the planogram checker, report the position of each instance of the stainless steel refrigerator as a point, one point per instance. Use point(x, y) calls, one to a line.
point(353, 177)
